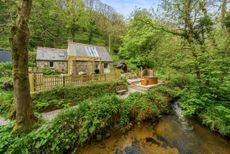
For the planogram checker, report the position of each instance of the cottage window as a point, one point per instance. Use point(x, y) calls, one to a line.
point(51, 64)
point(106, 65)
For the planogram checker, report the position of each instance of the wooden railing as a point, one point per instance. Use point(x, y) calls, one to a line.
point(40, 82)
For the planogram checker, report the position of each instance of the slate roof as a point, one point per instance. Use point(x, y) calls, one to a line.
point(53, 54)
point(5, 56)
point(74, 49)
point(78, 49)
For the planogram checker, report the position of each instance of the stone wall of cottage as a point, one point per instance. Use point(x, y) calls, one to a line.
point(61, 66)
point(78, 66)
point(87, 67)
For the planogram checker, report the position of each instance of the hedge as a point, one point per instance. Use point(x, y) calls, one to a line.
point(68, 96)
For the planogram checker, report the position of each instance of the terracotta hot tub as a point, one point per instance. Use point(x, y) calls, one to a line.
point(149, 80)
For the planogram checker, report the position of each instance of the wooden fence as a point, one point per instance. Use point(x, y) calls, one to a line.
point(40, 82)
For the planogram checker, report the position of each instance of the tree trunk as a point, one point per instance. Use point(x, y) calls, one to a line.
point(19, 41)
point(90, 37)
point(223, 12)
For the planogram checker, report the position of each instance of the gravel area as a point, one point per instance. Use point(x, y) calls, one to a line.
point(3, 121)
point(49, 116)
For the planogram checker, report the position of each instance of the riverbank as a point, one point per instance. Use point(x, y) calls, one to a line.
point(172, 134)
point(91, 118)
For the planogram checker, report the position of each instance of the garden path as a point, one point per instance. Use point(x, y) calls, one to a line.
point(49, 116)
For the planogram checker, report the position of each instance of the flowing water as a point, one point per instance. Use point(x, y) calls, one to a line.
point(189, 137)
point(173, 134)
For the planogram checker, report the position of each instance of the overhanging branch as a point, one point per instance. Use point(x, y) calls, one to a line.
point(161, 28)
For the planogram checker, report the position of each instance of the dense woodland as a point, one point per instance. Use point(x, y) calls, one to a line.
point(186, 41)
point(52, 23)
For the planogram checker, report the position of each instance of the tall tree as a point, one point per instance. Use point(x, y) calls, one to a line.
point(75, 16)
point(7, 14)
point(223, 11)
point(47, 26)
point(19, 42)
point(91, 23)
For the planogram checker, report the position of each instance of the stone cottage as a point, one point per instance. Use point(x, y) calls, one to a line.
point(78, 58)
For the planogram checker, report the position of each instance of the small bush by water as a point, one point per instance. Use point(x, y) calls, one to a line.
point(217, 117)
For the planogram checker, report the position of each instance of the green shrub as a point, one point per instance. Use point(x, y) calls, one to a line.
point(75, 126)
point(70, 129)
point(142, 107)
point(32, 59)
point(67, 96)
point(6, 72)
point(7, 138)
point(59, 98)
point(50, 71)
point(217, 117)
point(6, 101)
point(138, 107)
point(161, 96)
point(176, 78)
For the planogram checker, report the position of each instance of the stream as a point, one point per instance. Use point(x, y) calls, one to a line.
point(173, 134)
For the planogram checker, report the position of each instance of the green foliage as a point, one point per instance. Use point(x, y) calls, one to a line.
point(50, 71)
point(89, 118)
point(8, 13)
point(7, 138)
point(6, 72)
point(6, 101)
point(103, 110)
point(76, 125)
point(138, 107)
point(32, 59)
point(67, 96)
point(191, 53)
point(217, 117)
point(71, 128)
point(142, 107)
point(59, 98)
point(52, 23)
point(7, 97)
point(139, 41)
point(227, 21)
point(162, 96)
